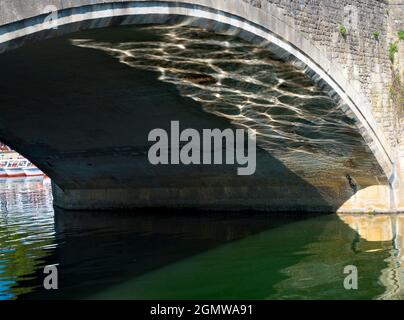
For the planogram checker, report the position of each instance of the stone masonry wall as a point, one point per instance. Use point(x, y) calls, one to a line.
point(396, 23)
point(363, 55)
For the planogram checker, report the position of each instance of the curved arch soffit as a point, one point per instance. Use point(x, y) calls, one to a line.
point(318, 68)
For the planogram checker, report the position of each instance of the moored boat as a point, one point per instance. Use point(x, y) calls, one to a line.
point(13, 164)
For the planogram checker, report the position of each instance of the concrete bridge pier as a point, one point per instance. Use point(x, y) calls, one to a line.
point(381, 198)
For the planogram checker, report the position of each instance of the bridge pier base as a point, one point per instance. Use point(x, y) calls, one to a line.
point(239, 198)
point(373, 199)
point(381, 198)
point(399, 187)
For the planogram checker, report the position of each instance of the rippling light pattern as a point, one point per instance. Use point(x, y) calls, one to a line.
point(26, 233)
point(294, 120)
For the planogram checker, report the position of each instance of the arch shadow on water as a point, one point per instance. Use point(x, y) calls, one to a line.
point(188, 254)
point(178, 255)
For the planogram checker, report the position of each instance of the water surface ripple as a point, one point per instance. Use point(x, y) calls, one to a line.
point(183, 254)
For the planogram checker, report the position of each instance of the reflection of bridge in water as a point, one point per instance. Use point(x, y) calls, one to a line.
point(204, 255)
point(383, 229)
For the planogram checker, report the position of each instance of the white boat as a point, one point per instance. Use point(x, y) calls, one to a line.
point(12, 164)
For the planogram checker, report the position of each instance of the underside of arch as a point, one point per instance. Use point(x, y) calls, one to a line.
point(147, 12)
point(245, 19)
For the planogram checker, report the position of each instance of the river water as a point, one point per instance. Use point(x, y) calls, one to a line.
point(183, 254)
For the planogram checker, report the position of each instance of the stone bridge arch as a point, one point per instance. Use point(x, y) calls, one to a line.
point(261, 22)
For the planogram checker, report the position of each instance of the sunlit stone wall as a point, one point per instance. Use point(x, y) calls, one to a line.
point(362, 54)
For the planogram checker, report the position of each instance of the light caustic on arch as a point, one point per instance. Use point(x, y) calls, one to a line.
point(294, 120)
